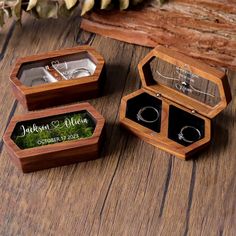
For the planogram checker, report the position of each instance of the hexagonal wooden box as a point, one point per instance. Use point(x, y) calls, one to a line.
point(183, 94)
point(55, 137)
point(58, 77)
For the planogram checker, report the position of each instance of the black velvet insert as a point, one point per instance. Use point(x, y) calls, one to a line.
point(140, 101)
point(178, 119)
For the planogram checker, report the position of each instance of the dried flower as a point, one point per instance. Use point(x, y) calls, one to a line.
point(56, 8)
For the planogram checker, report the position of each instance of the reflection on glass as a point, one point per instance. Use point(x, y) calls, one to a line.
point(38, 73)
point(74, 69)
point(182, 80)
point(36, 76)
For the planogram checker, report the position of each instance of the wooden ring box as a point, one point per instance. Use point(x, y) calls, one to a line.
point(58, 77)
point(186, 92)
point(47, 138)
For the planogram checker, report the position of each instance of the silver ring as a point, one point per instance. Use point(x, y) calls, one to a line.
point(181, 134)
point(78, 70)
point(56, 64)
point(140, 117)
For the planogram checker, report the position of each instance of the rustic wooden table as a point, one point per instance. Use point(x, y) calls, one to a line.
point(135, 189)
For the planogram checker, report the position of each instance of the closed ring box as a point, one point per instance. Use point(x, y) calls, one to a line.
point(58, 77)
point(55, 137)
point(185, 94)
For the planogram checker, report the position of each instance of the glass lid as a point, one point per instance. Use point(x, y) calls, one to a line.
point(68, 67)
point(184, 81)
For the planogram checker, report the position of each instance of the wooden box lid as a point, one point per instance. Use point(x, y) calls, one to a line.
point(190, 83)
point(55, 137)
point(58, 77)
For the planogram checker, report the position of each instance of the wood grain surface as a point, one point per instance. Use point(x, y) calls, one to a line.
point(135, 189)
point(204, 29)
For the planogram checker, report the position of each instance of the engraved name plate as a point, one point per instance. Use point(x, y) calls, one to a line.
point(184, 81)
point(55, 129)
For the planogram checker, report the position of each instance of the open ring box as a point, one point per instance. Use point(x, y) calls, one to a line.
point(58, 77)
point(60, 135)
point(183, 93)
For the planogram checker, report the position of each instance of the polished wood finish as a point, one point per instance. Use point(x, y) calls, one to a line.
point(161, 140)
point(58, 154)
point(136, 188)
point(203, 29)
point(63, 91)
point(170, 96)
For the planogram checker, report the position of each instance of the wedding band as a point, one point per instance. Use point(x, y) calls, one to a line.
point(82, 69)
point(181, 134)
point(140, 112)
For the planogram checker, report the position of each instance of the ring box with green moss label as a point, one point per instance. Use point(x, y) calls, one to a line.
point(55, 137)
point(178, 99)
point(58, 77)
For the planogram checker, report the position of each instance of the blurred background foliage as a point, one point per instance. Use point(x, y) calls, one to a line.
point(58, 8)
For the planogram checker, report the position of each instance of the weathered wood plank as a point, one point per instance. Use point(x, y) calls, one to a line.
point(5, 37)
point(204, 29)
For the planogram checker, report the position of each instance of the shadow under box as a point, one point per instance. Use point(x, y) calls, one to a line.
point(141, 101)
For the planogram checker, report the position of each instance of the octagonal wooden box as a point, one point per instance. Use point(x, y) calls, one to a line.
point(178, 99)
point(55, 137)
point(58, 77)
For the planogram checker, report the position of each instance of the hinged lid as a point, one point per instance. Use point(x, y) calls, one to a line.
point(185, 80)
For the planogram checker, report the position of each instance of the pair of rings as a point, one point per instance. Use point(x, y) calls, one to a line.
point(184, 132)
point(69, 74)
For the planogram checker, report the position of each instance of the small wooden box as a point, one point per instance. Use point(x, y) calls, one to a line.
point(58, 77)
point(55, 137)
point(178, 99)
